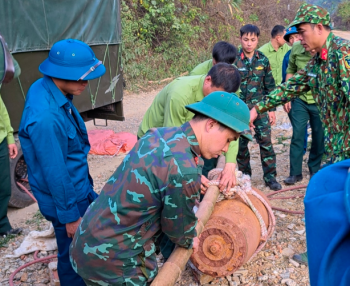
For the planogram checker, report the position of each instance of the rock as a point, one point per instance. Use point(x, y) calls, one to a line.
point(24, 277)
point(240, 272)
point(236, 280)
point(281, 215)
point(291, 226)
point(285, 275)
point(289, 282)
point(278, 148)
point(263, 278)
point(294, 263)
point(287, 252)
point(243, 279)
point(301, 232)
point(229, 278)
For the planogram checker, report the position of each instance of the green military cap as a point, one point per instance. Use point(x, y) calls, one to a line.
point(312, 14)
point(227, 109)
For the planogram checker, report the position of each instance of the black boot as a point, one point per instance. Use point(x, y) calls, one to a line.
point(273, 185)
point(291, 180)
point(14, 231)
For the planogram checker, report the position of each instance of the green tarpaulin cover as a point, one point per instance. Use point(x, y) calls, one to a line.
point(35, 25)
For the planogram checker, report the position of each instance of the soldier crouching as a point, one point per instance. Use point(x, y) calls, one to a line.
point(153, 191)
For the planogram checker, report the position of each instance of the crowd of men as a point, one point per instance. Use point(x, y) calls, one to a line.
point(147, 204)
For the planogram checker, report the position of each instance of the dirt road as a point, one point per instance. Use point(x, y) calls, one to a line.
point(342, 34)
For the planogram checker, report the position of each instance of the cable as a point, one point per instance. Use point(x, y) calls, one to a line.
point(46, 259)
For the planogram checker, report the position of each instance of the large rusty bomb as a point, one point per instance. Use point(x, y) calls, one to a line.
point(230, 237)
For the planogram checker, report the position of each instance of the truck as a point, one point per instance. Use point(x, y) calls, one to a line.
point(30, 28)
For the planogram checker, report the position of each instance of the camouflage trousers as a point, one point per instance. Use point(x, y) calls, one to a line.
point(267, 154)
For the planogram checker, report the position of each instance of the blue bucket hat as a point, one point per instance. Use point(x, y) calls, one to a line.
point(290, 31)
point(72, 60)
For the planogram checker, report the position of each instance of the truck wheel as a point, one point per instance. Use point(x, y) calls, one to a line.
point(18, 168)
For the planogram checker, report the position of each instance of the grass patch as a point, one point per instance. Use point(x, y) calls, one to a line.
point(36, 219)
point(281, 139)
point(5, 240)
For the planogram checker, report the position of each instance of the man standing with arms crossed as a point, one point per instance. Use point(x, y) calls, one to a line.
point(327, 76)
point(257, 81)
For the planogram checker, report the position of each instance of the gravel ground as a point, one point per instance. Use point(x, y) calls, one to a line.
point(272, 266)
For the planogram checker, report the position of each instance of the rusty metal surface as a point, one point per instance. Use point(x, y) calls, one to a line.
point(230, 237)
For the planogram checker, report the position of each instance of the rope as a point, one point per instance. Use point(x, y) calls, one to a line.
point(20, 86)
point(92, 97)
point(243, 194)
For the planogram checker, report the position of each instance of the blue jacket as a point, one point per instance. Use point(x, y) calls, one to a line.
point(285, 65)
point(55, 147)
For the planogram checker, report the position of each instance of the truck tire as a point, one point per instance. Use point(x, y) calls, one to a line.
point(18, 168)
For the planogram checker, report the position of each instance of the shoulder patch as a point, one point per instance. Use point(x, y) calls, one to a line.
point(347, 61)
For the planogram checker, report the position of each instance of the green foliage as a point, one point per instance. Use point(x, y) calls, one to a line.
point(344, 11)
point(5, 240)
point(329, 5)
point(36, 219)
point(165, 38)
point(253, 17)
point(158, 37)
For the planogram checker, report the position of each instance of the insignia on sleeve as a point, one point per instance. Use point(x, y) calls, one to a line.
point(324, 54)
point(347, 61)
point(259, 68)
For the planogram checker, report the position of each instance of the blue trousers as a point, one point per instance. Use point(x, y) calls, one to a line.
point(64, 268)
point(327, 216)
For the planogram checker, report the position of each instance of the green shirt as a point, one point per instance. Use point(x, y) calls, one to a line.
point(297, 60)
point(327, 76)
point(6, 131)
point(202, 68)
point(275, 59)
point(168, 108)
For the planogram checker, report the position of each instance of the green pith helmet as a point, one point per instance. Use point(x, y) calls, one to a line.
point(227, 109)
point(312, 14)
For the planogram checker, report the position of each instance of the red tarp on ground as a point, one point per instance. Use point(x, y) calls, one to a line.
point(106, 142)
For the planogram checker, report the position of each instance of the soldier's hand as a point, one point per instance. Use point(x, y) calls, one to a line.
point(195, 244)
point(227, 177)
point(13, 151)
point(272, 117)
point(204, 185)
point(72, 227)
point(287, 107)
point(253, 116)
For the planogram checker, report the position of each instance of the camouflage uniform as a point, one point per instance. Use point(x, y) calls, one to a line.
point(327, 76)
point(153, 191)
point(257, 81)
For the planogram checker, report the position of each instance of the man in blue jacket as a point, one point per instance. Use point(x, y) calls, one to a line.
point(55, 144)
